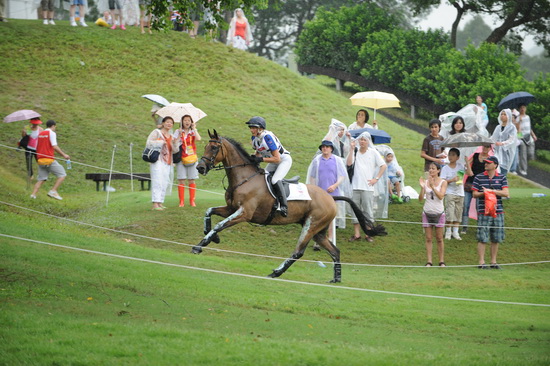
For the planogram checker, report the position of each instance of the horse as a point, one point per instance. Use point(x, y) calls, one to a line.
point(248, 200)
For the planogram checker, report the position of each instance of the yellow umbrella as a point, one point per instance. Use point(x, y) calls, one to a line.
point(375, 100)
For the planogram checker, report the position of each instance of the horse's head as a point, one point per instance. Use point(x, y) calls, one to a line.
point(211, 155)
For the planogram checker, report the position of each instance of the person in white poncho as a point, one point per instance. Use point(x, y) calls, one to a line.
point(370, 169)
point(505, 138)
point(328, 171)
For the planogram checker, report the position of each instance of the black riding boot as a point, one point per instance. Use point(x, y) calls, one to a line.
point(281, 197)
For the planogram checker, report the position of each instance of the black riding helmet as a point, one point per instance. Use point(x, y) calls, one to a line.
point(256, 122)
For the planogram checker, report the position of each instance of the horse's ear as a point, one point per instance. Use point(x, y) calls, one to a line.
point(209, 134)
point(215, 134)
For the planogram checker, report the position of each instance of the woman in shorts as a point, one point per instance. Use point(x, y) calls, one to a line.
point(433, 190)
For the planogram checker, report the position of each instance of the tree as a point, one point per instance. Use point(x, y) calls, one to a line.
point(525, 16)
point(162, 9)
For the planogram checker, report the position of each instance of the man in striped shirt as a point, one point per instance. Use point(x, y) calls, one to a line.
point(488, 226)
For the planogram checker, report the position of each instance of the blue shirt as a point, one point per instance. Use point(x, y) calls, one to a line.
point(482, 180)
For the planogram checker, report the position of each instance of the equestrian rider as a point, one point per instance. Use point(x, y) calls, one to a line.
point(269, 149)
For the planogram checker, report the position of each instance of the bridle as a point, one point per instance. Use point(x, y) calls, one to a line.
point(209, 162)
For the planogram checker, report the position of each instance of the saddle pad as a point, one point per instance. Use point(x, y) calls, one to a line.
point(298, 192)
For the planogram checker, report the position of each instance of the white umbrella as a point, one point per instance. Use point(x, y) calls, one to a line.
point(157, 99)
point(178, 110)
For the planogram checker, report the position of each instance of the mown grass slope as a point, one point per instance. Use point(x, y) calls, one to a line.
point(61, 306)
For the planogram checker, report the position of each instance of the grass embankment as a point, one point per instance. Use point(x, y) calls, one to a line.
point(61, 306)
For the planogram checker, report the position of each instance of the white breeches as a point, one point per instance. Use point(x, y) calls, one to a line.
point(280, 170)
point(160, 179)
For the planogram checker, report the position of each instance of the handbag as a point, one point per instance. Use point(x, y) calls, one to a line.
point(189, 160)
point(150, 155)
point(433, 219)
point(176, 157)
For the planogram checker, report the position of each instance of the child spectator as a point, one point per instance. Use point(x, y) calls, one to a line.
point(395, 174)
point(453, 173)
point(431, 147)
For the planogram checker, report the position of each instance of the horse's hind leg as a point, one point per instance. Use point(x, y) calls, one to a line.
point(321, 239)
point(304, 239)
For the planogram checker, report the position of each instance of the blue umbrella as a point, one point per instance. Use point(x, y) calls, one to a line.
point(378, 136)
point(514, 100)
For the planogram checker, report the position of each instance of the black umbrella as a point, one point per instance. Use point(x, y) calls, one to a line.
point(514, 100)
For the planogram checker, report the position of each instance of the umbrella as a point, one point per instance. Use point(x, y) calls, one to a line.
point(377, 136)
point(22, 115)
point(514, 100)
point(178, 110)
point(157, 99)
point(466, 139)
point(375, 100)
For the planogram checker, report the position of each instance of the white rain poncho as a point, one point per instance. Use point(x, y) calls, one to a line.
point(344, 188)
point(508, 136)
point(381, 197)
point(337, 134)
point(473, 120)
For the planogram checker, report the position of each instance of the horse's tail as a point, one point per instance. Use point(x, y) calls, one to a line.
point(368, 226)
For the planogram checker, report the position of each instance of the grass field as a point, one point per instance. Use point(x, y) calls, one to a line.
point(138, 296)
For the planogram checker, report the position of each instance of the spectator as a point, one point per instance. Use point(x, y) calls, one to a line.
point(239, 34)
point(340, 137)
point(328, 171)
point(3, 11)
point(81, 12)
point(47, 12)
point(453, 173)
point(361, 121)
point(490, 227)
point(29, 141)
point(144, 15)
point(45, 153)
point(505, 138)
point(527, 140)
point(483, 106)
point(431, 147)
point(432, 189)
point(187, 168)
point(156, 119)
point(116, 9)
point(161, 139)
point(369, 168)
point(269, 149)
point(395, 176)
point(474, 165)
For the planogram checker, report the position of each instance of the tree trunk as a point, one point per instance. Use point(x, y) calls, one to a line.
point(454, 29)
point(511, 21)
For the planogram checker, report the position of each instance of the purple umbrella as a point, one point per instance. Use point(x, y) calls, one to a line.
point(22, 115)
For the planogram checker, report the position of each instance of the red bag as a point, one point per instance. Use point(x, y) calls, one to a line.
point(490, 204)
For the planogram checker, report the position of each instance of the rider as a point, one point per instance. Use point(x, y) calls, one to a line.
point(269, 149)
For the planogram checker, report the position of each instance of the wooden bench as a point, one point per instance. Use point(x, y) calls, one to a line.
point(104, 177)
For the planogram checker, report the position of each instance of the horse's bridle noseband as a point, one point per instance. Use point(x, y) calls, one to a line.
point(209, 162)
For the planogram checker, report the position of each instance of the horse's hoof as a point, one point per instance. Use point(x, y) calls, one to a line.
point(196, 250)
point(273, 275)
point(335, 280)
point(216, 238)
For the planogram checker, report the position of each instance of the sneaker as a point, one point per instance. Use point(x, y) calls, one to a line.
point(54, 194)
point(522, 172)
point(447, 236)
point(456, 236)
point(495, 266)
point(51, 22)
point(82, 23)
point(514, 173)
point(33, 196)
point(483, 266)
point(73, 23)
point(45, 22)
point(122, 27)
point(464, 231)
point(394, 197)
point(399, 199)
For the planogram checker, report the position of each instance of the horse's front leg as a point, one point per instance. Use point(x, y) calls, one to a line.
point(230, 220)
point(223, 211)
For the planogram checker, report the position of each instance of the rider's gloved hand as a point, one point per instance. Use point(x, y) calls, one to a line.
point(256, 159)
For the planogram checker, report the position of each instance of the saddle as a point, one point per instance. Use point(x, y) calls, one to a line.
point(286, 183)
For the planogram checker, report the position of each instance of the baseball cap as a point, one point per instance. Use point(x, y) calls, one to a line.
point(491, 159)
point(36, 121)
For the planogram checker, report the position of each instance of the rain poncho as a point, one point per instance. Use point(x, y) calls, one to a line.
point(381, 197)
point(344, 188)
point(508, 136)
point(341, 143)
point(473, 120)
point(237, 41)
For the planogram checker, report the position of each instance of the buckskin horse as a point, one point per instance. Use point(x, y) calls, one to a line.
point(248, 200)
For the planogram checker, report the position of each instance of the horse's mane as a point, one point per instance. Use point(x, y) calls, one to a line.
point(240, 149)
